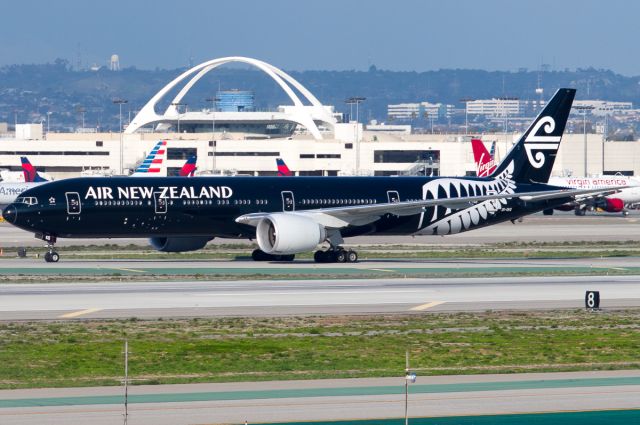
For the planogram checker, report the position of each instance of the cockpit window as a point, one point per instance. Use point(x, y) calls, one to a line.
point(29, 200)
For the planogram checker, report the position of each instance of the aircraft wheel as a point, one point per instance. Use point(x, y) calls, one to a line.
point(341, 256)
point(55, 257)
point(289, 257)
point(625, 213)
point(258, 255)
point(47, 257)
point(548, 211)
point(324, 257)
point(352, 256)
point(320, 257)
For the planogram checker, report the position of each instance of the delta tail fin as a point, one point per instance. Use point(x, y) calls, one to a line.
point(485, 163)
point(189, 167)
point(533, 156)
point(152, 164)
point(283, 170)
point(31, 175)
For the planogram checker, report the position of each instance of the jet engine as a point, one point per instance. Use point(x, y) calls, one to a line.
point(282, 233)
point(179, 243)
point(611, 205)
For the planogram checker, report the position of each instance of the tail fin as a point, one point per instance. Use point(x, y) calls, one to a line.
point(485, 164)
point(30, 173)
point(283, 170)
point(531, 159)
point(152, 164)
point(189, 167)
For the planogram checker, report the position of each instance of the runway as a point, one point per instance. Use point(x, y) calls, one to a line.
point(307, 297)
point(347, 399)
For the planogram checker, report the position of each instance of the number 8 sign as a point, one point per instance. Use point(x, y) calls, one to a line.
point(592, 300)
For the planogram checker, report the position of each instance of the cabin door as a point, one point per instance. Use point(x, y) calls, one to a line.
point(393, 196)
point(74, 207)
point(288, 203)
point(159, 203)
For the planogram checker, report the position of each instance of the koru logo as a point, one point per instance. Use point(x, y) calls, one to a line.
point(541, 142)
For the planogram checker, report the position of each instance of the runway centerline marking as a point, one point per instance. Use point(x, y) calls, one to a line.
point(79, 313)
point(426, 306)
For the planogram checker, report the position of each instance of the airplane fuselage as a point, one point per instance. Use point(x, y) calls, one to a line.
point(208, 206)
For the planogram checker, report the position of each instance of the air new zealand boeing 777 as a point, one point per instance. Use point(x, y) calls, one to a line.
point(289, 215)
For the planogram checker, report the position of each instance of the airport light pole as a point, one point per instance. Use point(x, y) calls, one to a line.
point(81, 111)
point(584, 109)
point(177, 105)
point(48, 120)
point(356, 101)
point(126, 381)
point(213, 101)
point(121, 102)
point(408, 377)
point(466, 100)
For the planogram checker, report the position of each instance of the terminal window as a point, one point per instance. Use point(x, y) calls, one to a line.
point(181, 153)
point(405, 156)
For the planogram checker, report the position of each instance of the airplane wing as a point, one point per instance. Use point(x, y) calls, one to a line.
point(358, 215)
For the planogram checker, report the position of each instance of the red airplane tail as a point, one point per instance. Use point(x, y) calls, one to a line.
point(485, 163)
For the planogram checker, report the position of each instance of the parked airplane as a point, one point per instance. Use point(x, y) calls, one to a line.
point(610, 203)
point(31, 175)
point(189, 167)
point(290, 215)
point(10, 191)
point(283, 170)
point(153, 162)
point(485, 161)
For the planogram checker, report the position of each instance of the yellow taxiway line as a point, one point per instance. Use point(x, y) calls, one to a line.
point(79, 313)
point(426, 306)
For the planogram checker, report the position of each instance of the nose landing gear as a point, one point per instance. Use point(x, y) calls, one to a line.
point(50, 256)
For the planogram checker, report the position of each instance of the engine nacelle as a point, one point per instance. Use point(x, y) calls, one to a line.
point(611, 205)
point(179, 243)
point(282, 233)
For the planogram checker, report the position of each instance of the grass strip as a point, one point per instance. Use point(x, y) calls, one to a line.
point(87, 353)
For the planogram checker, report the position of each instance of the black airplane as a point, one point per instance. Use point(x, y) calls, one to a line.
point(290, 215)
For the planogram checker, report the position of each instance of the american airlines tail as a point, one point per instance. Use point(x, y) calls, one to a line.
point(152, 164)
point(485, 162)
point(189, 167)
point(31, 175)
point(533, 156)
point(283, 170)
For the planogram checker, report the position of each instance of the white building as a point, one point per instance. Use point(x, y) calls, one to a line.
point(496, 107)
point(605, 107)
point(319, 146)
point(421, 110)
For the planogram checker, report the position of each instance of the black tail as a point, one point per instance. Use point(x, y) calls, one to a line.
point(534, 154)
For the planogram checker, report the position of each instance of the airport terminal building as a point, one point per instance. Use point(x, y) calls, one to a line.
point(233, 138)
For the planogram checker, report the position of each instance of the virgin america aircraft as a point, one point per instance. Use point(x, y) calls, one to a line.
point(614, 203)
point(290, 215)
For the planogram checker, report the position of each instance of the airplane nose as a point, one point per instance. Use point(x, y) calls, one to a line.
point(10, 214)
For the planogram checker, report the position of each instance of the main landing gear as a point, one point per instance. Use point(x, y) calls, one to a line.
point(338, 255)
point(50, 256)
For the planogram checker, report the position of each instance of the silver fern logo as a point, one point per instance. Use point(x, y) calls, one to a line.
point(440, 220)
point(541, 142)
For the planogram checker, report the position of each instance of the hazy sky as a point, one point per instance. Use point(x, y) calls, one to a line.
point(328, 34)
